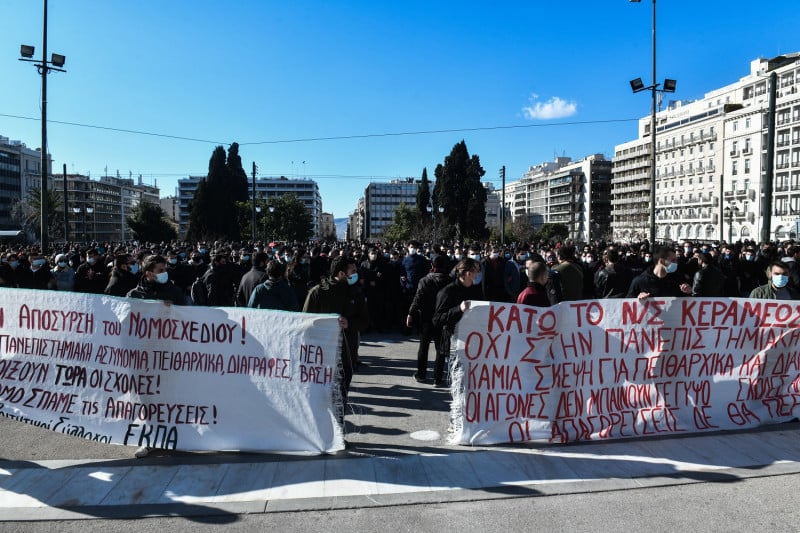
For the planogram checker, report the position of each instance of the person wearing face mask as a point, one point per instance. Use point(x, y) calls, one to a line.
point(123, 279)
point(661, 280)
point(777, 286)
point(155, 285)
point(451, 303)
point(340, 294)
point(415, 266)
point(8, 270)
point(90, 276)
point(750, 272)
point(63, 276)
point(36, 275)
point(180, 273)
point(218, 282)
point(421, 312)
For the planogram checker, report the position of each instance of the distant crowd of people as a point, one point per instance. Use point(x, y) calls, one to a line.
point(399, 287)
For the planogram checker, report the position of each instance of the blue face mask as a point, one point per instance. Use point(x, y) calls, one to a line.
point(672, 267)
point(478, 278)
point(780, 280)
point(352, 278)
point(135, 268)
point(38, 262)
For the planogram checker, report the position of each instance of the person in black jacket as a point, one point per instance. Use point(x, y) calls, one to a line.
point(254, 277)
point(661, 280)
point(155, 285)
point(451, 302)
point(708, 280)
point(614, 279)
point(422, 307)
point(122, 279)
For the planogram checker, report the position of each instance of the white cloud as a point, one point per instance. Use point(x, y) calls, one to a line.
point(555, 107)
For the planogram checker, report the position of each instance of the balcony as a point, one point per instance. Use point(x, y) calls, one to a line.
point(735, 153)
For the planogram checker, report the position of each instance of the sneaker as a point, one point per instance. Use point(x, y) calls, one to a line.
point(143, 451)
point(418, 378)
point(440, 385)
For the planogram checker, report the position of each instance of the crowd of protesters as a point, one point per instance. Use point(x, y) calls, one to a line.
point(400, 287)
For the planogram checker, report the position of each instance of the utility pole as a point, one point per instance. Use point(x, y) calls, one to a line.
point(66, 220)
point(503, 206)
point(254, 202)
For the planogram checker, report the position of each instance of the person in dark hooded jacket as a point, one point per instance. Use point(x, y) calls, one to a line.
point(275, 292)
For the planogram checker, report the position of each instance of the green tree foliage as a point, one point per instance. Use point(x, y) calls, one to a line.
point(460, 192)
point(404, 224)
point(553, 231)
point(149, 223)
point(289, 221)
point(27, 213)
point(424, 195)
point(212, 213)
point(240, 190)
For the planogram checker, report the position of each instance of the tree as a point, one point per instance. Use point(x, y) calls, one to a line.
point(553, 231)
point(424, 195)
point(212, 209)
point(240, 190)
point(403, 226)
point(290, 220)
point(27, 213)
point(149, 223)
point(460, 192)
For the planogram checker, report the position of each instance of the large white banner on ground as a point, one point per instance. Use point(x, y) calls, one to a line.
point(138, 372)
point(607, 369)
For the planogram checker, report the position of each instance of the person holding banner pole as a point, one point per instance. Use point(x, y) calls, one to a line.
point(451, 302)
point(340, 294)
point(155, 285)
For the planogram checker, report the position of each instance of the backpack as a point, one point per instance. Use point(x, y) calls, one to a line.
point(199, 291)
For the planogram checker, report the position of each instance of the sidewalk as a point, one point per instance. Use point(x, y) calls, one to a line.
point(397, 456)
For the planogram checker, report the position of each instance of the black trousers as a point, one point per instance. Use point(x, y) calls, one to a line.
point(429, 333)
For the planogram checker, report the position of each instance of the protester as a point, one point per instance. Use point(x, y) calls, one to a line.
point(254, 277)
point(421, 312)
point(62, 275)
point(451, 302)
point(122, 279)
point(339, 294)
point(274, 292)
point(708, 279)
point(661, 280)
point(155, 285)
point(535, 293)
point(777, 286)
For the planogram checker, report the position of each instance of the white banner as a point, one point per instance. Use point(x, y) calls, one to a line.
point(608, 369)
point(137, 372)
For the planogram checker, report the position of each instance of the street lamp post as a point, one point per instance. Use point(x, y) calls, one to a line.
point(271, 210)
point(669, 87)
point(90, 211)
point(76, 211)
point(258, 211)
point(44, 67)
point(730, 211)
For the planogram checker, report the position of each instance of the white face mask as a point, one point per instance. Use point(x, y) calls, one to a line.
point(780, 280)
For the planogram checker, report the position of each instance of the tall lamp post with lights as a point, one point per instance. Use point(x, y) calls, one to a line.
point(669, 87)
point(730, 212)
point(44, 67)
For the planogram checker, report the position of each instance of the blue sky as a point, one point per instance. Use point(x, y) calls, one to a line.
point(521, 82)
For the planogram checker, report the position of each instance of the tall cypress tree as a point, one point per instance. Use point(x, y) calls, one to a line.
point(424, 195)
point(460, 192)
point(211, 217)
point(238, 177)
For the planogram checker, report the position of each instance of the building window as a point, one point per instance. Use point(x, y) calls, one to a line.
point(747, 122)
point(735, 168)
point(747, 166)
